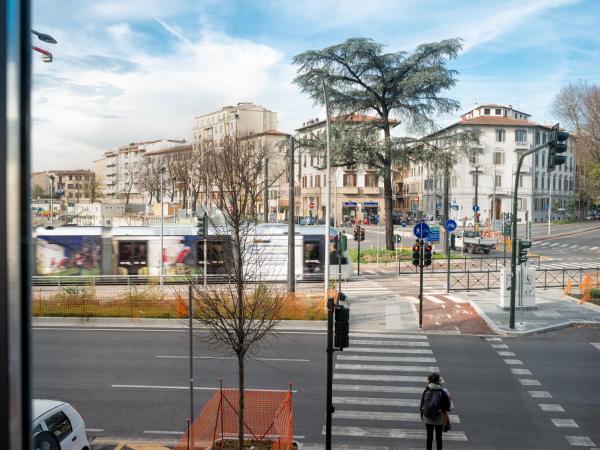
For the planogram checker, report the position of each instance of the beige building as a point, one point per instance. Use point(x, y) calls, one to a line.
point(72, 186)
point(356, 192)
point(121, 169)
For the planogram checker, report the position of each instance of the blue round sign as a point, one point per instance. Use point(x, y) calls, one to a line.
point(421, 230)
point(450, 225)
point(475, 208)
point(403, 223)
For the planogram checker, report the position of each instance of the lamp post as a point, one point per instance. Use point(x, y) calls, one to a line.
point(328, 196)
point(51, 201)
point(162, 225)
point(47, 56)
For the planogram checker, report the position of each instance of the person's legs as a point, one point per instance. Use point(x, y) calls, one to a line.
point(429, 436)
point(438, 436)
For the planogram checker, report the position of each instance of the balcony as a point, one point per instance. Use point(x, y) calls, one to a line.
point(372, 190)
point(352, 190)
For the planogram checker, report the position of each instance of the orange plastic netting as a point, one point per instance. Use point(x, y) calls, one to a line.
point(267, 416)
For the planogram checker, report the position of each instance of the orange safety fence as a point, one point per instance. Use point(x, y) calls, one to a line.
point(268, 416)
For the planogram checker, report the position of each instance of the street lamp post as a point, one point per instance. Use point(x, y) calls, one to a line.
point(162, 224)
point(51, 201)
point(328, 196)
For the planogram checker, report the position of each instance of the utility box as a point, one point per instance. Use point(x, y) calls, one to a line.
point(528, 288)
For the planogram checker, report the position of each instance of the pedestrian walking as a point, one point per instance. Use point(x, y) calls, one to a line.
point(435, 404)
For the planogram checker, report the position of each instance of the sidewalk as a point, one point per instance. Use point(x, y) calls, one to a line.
point(554, 311)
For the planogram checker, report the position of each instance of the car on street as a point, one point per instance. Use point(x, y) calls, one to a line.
point(593, 216)
point(62, 420)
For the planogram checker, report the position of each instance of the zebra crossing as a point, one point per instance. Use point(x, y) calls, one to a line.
point(377, 387)
point(559, 263)
point(558, 245)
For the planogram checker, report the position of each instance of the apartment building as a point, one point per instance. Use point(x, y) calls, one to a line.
point(356, 192)
point(487, 180)
point(72, 186)
point(121, 169)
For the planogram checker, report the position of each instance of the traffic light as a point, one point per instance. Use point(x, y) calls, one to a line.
point(356, 233)
point(203, 225)
point(416, 254)
point(342, 327)
point(336, 242)
point(557, 146)
point(526, 216)
point(522, 250)
point(343, 242)
point(427, 256)
point(362, 233)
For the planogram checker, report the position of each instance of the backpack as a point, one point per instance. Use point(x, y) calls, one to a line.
point(432, 403)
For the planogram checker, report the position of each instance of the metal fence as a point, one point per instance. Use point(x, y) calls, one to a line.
point(483, 263)
point(476, 280)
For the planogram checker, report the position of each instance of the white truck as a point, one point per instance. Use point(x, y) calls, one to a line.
point(472, 242)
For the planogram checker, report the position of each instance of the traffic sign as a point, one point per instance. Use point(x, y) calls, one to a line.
point(450, 225)
point(434, 234)
point(475, 208)
point(311, 205)
point(403, 223)
point(421, 230)
point(438, 205)
point(415, 207)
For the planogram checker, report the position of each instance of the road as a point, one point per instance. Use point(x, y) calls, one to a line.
point(125, 389)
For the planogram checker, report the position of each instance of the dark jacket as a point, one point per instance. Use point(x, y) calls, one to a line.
point(445, 404)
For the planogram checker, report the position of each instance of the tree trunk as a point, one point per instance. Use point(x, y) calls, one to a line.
point(387, 191)
point(241, 403)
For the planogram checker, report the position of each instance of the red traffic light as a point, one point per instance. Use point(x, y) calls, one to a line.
point(415, 248)
point(427, 248)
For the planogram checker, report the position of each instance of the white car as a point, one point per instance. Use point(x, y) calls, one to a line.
point(63, 421)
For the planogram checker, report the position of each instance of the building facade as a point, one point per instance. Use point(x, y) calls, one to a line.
point(357, 193)
point(72, 186)
point(505, 134)
point(121, 169)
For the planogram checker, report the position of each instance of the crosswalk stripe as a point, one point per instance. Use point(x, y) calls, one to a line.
point(371, 388)
point(456, 299)
point(413, 300)
point(387, 368)
point(376, 401)
point(369, 377)
point(389, 336)
point(432, 299)
point(542, 244)
point(384, 358)
point(594, 248)
point(573, 246)
point(378, 415)
point(553, 245)
point(391, 343)
point(393, 433)
point(419, 351)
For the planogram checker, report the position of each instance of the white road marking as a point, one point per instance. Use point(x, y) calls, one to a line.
point(506, 353)
point(184, 388)
point(392, 433)
point(433, 299)
point(369, 377)
point(158, 330)
point(233, 357)
point(540, 394)
point(392, 343)
point(521, 371)
point(529, 382)
point(580, 441)
point(371, 388)
point(413, 300)
point(376, 401)
point(163, 432)
point(564, 423)
point(387, 368)
point(389, 336)
point(565, 245)
point(456, 299)
point(553, 245)
point(499, 346)
point(377, 415)
point(596, 344)
point(94, 430)
point(513, 362)
point(385, 358)
point(594, 248)
point(494, 339)
point(542, 244)
point(551, 407)
point(415, 351)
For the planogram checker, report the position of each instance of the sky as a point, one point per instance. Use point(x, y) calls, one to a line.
point(134, 70)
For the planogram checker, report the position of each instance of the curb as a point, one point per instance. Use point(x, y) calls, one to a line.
point(504, 332)
point(162, 324)
point(566, 234)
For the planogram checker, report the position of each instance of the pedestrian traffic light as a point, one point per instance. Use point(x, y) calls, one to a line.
point(416, 254)
point(343, 242)
point(336, 242)
point(362, 233)
point(526, 216)
point(523, 247)
point(427, 255)
point(557, 146)
point(356, 233)
point(342, 327)
point(203, 225)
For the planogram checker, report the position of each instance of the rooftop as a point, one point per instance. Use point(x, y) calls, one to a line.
point(350, 118)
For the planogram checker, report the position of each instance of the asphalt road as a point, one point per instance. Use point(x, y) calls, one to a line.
point(496, 410)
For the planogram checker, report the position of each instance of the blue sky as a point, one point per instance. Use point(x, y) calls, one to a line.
point(131, 70)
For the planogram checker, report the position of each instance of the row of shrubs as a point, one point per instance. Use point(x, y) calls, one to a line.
point(386, 256)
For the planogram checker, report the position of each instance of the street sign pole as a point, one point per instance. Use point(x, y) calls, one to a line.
point(421, 258)
point(448, 274)
point(359, 231)
point(329, 406)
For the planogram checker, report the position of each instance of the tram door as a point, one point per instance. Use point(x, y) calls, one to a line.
point(133, 257)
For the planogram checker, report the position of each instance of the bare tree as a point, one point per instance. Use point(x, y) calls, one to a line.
point(95, 189)
point(149, 180)
point(242, 311)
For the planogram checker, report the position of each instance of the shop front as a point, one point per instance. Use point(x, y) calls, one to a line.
point(370, 212)
point(349, 212)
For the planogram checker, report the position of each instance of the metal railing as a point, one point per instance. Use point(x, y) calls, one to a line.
point(545, 278)
point(493, 263)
